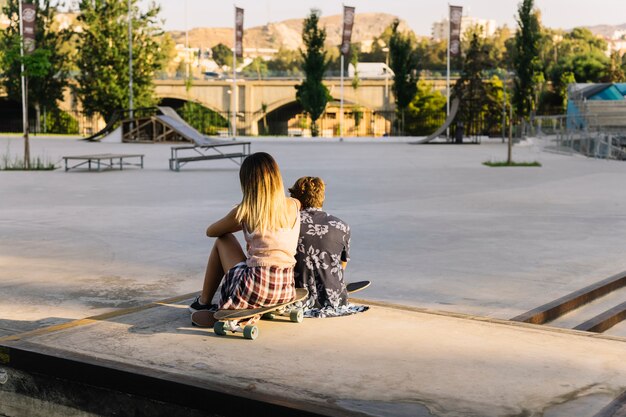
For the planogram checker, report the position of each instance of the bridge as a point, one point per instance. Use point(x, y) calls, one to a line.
point(273, 101)
point(266, 98)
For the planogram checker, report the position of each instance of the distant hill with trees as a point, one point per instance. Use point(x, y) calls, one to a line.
point(606, 30)
point(288, 34)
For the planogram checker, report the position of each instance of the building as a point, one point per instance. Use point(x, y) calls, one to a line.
point(601, 105)
point(4, 20)
point(440, 30)
point(617, 42)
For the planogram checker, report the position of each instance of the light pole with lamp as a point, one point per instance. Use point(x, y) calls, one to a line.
point(130, 64)
point(387, 106)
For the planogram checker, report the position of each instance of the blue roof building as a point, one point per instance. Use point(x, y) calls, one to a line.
point(578, 94)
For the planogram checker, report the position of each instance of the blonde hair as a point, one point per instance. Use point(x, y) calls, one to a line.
point(309, 191)
point(264, 205)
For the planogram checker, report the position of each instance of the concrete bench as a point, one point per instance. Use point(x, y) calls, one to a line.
point(100, 161)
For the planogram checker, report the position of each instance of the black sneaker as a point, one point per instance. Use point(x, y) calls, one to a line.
point(196, 306)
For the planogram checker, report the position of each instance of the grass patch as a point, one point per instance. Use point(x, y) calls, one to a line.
point(498, 164)
point(17, 164)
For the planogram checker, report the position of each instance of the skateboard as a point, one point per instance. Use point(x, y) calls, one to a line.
point(228, 320)
point(353, 287)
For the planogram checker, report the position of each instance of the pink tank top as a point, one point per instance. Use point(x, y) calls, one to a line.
point(274, 248)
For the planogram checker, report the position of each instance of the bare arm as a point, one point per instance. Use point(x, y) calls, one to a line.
point(227, 224)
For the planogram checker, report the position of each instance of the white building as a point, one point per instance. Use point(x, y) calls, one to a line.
point(440, 29)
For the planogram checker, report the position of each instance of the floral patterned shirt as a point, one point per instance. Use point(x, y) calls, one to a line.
point(323, 245)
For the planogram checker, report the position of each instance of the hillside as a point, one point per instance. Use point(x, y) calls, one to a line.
point(606, 31)
point(288, 33)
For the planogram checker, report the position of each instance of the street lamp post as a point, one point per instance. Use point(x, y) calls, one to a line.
point(130, 62)
point(387, 106)
point(25, 126)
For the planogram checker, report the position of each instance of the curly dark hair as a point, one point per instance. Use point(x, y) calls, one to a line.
point(309, 191)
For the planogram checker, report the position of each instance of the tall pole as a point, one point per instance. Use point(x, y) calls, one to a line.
point(448, 76)
point(234, 89)
point(509, 159)
point(186, 45)
point(24, 94)
point(341, 100)
point(504, 110)
point(130, 62)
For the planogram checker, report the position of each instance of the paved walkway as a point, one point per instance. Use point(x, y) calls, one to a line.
point(432, 228)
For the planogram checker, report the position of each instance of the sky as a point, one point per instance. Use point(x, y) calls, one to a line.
point(419, 14)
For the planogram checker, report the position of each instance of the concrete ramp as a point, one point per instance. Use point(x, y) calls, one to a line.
point(453, 111)
point(170, 112)
point(107, 130)
point(184, 129)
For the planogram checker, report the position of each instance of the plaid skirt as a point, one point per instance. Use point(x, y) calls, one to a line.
point(259, 286)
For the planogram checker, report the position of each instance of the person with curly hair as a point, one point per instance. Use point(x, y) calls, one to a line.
point(323, 251)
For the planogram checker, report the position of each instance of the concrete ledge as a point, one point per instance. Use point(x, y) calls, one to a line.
point(61, 380)
point(388, 361)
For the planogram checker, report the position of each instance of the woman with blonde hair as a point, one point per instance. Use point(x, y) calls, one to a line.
point(270, 223)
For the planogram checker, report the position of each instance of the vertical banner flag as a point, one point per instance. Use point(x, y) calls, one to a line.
point(348, 22)
point(456, 14)
point(239, 32)
point(28, 22)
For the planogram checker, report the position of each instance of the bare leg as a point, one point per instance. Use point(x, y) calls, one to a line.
point(225, 254)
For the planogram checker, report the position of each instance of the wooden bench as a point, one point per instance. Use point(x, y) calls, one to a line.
point(207, 153)
point(105, 160)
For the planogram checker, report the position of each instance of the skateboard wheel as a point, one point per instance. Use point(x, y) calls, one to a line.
point(296, 315)
point(218, 328)
point(268, 316)
point(250, 332)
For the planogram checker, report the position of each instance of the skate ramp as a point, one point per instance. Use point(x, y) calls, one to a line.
point(453, 111)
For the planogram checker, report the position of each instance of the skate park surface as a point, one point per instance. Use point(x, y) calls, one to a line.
point(454, 250)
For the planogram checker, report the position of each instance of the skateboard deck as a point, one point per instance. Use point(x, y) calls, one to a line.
point(353, 287)
point(223, 315)
point(217, 320)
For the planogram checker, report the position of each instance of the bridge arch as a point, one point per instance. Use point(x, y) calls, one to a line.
point(174, 101)
point(206, 120)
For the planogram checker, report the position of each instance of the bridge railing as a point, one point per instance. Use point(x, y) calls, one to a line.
point(288, 75)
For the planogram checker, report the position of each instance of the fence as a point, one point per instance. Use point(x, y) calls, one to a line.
point(54, 122)
point(559, 134)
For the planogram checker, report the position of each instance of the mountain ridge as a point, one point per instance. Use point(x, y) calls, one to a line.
point(288, 33)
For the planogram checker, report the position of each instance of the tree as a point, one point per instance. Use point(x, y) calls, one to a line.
point(204, 120)
point(426, 112)
point(403, 63)
point(432, 55)
point(222, 55)
point(285, 62)
point(257, 68)
point(312, 94)
point(526, 60)
point(354, 60)
point(615, 73)
point(380, 43)
point(103, 55)
point(480, 102)
point(46, 68)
